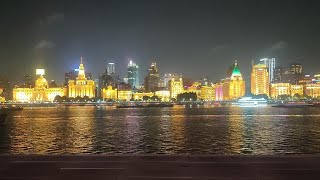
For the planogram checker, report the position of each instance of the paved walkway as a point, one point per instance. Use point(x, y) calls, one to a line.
point(158, 167)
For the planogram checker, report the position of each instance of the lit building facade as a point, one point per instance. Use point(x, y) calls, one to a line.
point(133, 75)
point(125, 95)
point(109, 93)
point(236, 86)
point(176, 87)
point(313, 90)
point(138, 96)
point(317, 78)
point(40, 93)
point(111, 69)
point(168, 76)
point(2, 99)
point(260, 80)
point(296, 68)
point(278, 89)
point(296, 89)
point(164, 95)
point(207, 93)
point(81, 87)
point(152, 80)
point(195, 88)
point(218, 91)
point(271, 65)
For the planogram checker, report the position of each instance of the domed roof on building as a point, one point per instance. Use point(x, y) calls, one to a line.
point(236, 71)
point(41, 82)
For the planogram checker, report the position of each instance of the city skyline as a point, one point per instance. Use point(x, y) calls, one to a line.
point(202, 40)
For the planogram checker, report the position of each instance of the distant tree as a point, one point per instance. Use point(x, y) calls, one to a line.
point(284, 97)
point(71, 99)
point(145, 98)
point(155, 98)
point(58, 98)
point(78, 99)
point(187, 97)
point(85, 99)
point(65, 99)
point(297, 96)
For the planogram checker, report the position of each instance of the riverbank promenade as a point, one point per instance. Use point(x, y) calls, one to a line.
point(158, 167)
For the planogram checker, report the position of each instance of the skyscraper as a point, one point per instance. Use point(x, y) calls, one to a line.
point(260, 79)
point(237, 85)
point(271, 65)
point(111, 70)
point(133, 74)
point(296, 68)
point(81, 86)
point(167, 77)
point(151, 81)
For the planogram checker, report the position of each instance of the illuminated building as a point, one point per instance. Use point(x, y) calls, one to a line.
point(278, 74)
point(312, 90)
point(296, 68)
point(235, 87)
point(104, 81)
point(296, 89)
point(278, 89)
point(28, 80)
point(22, 94)
point(271, 65)
point(151, 81)
point(109, 93)
point(72, 75)
point(195, 88)
point(2, 99)
point(207, 93)
point(133, 75)
point(317, 78)
point(5, 85)
point(81, 87)
point(176, 87)
point(40, 93)
point(167, 77)
point(260, 80)
point(111, 70)
point(219, 91)
point(138, 96)
point(164, 95)
point(124, 95)
point(51, 93)
point(303, 79)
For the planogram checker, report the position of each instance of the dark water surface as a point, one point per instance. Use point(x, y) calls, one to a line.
point(177, 130)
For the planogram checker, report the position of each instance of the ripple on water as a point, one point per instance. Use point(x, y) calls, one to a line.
point(93, 130)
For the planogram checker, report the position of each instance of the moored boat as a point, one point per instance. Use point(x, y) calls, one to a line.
point(251, 102)
point(294, 104)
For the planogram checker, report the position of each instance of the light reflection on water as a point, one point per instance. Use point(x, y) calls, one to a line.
point(222, 130)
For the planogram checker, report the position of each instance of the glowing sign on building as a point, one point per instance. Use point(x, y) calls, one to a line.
point(40, 72)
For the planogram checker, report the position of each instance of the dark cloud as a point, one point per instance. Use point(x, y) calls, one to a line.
point(44, 44)
point(279, 46)
point(53, 18)
point(219, 49)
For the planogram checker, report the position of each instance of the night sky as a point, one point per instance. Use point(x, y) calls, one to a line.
point(196, 38)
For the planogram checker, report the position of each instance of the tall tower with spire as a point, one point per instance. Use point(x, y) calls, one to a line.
point(81, 72)
point(81, 86)
point(234, 87)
